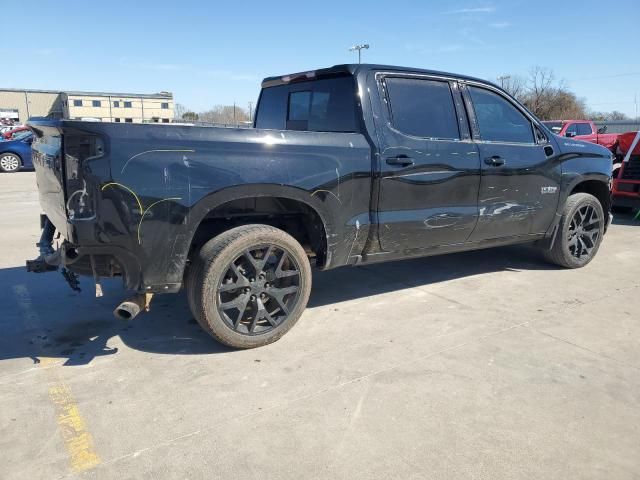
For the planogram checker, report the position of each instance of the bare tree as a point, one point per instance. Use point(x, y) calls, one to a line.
point(544, 96)
point(178, 111)
point(230, 114)
point(514, 85)
point(607, 116)
point(616, 115)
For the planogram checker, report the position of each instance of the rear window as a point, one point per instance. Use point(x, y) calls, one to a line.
point(319, 106)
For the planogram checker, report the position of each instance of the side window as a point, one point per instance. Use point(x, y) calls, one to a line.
point(498, 119)
point(422, 108)
point(571, 129)
point(271, 110)
point(584, 129)
point(323, 106)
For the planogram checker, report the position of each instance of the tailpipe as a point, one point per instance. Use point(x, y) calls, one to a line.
point(130, 308)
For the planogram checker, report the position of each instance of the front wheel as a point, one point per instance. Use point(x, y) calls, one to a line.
point(10, 162)
point(249, 285)
point(579, 233)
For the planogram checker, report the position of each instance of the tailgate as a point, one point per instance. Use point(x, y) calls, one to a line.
point(49, 165)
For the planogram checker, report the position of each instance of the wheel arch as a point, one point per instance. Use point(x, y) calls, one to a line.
point(596, 184)
point(267, 204)
point(598, 189)
point(13, 152)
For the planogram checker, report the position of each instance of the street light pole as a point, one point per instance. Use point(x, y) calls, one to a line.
point(503, 78)
point(359, 48)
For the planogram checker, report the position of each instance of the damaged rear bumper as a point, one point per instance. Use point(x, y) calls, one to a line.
point(97, 261)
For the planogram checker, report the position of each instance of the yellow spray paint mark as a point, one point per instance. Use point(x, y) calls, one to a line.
point(73, 429)
point(143, 210)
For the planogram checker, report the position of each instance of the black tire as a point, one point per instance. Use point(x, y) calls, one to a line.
point(222, 264)
point(10, 162)
point(576, 244)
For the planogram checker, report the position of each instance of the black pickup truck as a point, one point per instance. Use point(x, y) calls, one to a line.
point(347, 165)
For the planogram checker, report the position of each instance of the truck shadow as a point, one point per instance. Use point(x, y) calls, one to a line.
point(44, 319)
point(626, 218)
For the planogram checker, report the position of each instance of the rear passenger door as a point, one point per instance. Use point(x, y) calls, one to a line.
point(429, 167)
point(520, 181)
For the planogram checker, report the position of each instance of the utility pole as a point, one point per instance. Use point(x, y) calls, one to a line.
point(359, 48)
point(502, 79)
point(234, 111)
point(250, 111)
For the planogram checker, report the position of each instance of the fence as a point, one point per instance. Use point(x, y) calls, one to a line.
point(620, 126)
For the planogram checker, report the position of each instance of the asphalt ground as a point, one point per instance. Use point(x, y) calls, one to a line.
point(488, 364)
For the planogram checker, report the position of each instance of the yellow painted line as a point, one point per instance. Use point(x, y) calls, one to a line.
point(73, 429)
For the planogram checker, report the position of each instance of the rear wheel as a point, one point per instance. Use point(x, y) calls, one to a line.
point(10, 162)
point(580, 232)
point(248, 286)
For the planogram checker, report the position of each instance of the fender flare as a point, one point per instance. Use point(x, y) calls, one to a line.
point(201, 209)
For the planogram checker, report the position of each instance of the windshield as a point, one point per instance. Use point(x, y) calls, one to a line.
point(555, 127)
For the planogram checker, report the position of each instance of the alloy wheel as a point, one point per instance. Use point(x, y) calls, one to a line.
point(9, 163)
point(584, 232)
point(259, 289)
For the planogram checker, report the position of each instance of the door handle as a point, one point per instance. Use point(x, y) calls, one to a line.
point(494, 161)
point(400, 160)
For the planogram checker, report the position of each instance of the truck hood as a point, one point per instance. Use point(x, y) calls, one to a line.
point(570, 145)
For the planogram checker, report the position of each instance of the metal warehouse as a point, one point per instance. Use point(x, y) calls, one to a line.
point(20, 104)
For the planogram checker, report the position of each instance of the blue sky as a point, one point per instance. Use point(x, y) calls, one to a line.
point(210, 53)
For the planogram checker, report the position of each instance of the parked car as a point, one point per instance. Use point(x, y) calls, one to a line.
point(6, 128)
point(16, 154)
point(584, 130)
point(349, 165)
point(9, 134)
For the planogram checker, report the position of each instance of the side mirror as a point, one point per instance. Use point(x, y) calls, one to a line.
point(602, 129)
point(570, 134)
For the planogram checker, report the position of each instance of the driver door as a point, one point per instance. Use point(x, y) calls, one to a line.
point(520, 179)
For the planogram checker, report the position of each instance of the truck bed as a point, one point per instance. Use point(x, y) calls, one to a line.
point(139, 191)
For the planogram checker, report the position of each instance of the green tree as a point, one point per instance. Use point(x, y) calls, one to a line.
point(190, 116)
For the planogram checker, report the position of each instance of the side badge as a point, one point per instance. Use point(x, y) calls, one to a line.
point(544, 190)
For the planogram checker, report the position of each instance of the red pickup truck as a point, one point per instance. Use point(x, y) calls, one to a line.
point(626, 177)
point(584, 130)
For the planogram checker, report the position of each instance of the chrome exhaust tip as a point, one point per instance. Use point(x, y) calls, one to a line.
point(130, 308)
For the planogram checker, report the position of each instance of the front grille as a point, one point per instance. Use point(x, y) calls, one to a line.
point(631, 169)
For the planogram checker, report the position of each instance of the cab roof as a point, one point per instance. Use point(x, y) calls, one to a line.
point(353, 69)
